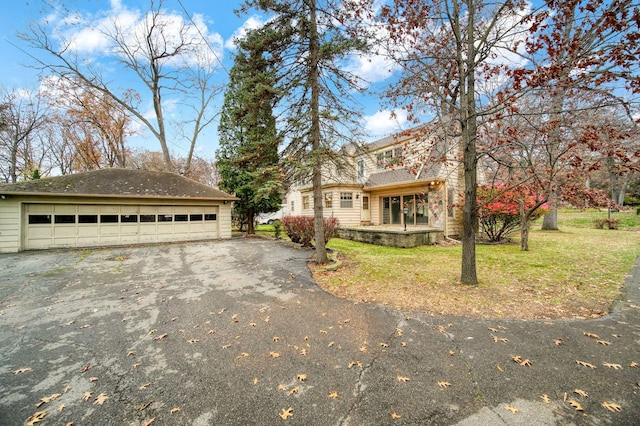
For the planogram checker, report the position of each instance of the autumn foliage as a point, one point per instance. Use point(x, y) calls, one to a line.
point(499, 210)
point(300, 229)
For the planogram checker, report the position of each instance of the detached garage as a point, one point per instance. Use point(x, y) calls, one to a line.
point(110, 207)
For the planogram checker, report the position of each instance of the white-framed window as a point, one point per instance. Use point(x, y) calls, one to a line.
point(328, 200)
point(346, 200)
point(389, 157)
point(305, 202)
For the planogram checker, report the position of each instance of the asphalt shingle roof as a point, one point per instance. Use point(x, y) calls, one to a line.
point(119, 183)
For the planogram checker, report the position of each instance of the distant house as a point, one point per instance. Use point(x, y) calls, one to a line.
point(110, 207)
point(416, 169)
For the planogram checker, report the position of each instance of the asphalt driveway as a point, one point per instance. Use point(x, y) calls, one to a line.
point(237, 333)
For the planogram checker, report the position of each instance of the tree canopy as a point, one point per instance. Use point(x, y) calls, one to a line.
point(247, 159)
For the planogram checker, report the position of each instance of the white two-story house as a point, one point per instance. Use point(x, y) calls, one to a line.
point(414, 169)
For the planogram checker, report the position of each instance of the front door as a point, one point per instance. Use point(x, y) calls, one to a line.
point(366, 213)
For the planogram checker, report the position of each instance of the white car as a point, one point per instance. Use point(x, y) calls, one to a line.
point(269, 218)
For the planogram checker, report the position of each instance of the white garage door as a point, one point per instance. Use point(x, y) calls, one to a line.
point(83, 225)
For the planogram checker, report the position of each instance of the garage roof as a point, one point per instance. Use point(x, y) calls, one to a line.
point(118, 183)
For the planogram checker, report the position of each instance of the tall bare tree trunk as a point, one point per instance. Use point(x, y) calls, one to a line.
point(469, 129)
point(524, 228)
point(314, 56)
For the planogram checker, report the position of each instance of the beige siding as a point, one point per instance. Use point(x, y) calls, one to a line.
point(10, 225)
point(224, 221)
point(15, 233)
point(346, 216)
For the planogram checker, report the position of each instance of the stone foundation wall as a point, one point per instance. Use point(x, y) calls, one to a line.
point(392, 238)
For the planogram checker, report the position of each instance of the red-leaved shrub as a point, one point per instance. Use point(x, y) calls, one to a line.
point(300, 229)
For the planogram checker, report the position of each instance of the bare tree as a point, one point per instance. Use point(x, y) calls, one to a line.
point(89, 122)
point(578, 49)
point(20, 152)
point(162, 51)
point(450, 55)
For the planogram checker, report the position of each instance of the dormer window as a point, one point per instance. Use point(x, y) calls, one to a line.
point(389, 157)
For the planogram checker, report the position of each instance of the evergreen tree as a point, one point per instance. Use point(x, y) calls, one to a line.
point(311, 42)
point(247, 159)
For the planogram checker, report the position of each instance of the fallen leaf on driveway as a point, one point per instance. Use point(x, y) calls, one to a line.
point(611, 406)
point(22, 370)
point(522, 362)
point(614, 366)
point(36, 417)
point(633, 364)
point(160, 337)
point(581, 393)
point(403, 379)
point(100, 399)
point(444, 384)
point(143, 387)
point(86, 396)
point(333, 394)
point(294, 391)
point(285, 414)
point(395, 416)
point(593, 336)
point(545, 399)
point(47, 399)
point(274, 354)
point(301, 377)
point(511, 408)
point(575, 404)
point(175, 410)
point(585, 364)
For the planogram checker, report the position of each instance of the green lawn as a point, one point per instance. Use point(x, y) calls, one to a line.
point(575, 272)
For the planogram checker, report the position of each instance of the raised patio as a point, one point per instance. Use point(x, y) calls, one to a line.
point(393, 236)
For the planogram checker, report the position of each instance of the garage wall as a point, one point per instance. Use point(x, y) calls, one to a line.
point(225, 220)
point(10, 225)
point(83, 225)
point(14, 228)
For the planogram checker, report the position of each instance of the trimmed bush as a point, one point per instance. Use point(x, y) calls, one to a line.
point(300, 229)
point(608, 223)
point(277, 229)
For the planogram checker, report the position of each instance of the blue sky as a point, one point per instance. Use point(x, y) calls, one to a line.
point(221, 25)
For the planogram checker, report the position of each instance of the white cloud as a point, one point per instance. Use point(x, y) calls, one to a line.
point(371, 68)
point(95, 34)
point(252, 23)
point(383, 124)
